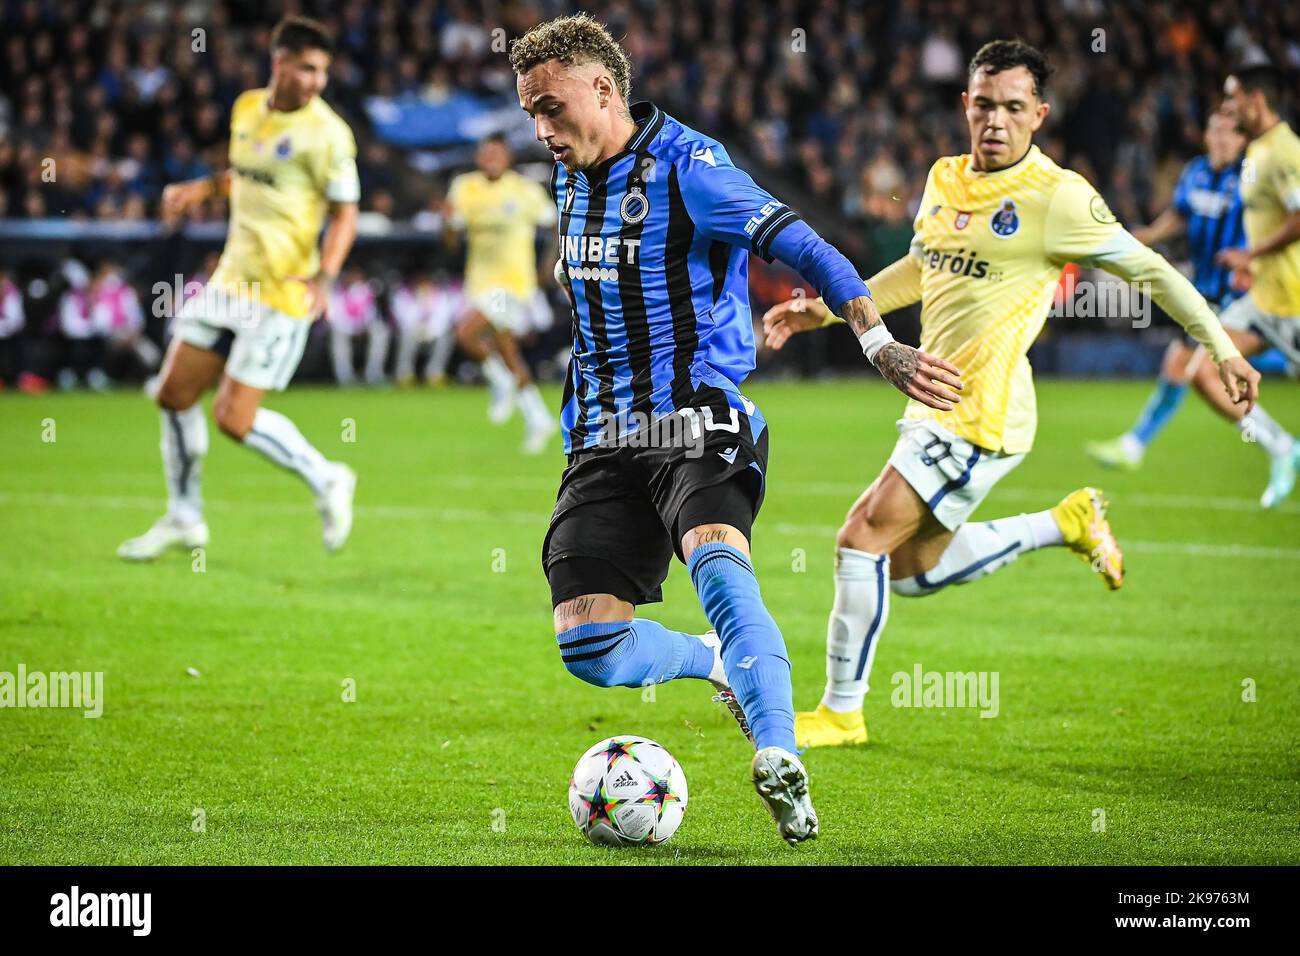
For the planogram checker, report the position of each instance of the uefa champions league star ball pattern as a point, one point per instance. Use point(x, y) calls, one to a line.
point(627, 791)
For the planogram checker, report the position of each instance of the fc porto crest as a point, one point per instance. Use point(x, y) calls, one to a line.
point(1006, 221)
point(635, 206)
point(961, 220)
point(283, 148)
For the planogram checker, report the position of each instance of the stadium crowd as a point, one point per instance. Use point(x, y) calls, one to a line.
point(840, 107)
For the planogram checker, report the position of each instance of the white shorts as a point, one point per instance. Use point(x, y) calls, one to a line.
point(515, 314)
point(951, 475)
point(262, 347)
point(1282, 332)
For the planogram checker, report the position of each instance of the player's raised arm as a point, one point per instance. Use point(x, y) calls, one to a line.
point(1080, 228)
point(727, 205)
point(893, 287)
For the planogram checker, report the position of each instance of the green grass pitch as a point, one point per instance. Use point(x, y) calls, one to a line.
point(465, 727)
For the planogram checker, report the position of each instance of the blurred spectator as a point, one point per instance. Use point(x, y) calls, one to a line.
point(426, 310)
point(102, 324)
point(353, 315)
point(12, 321)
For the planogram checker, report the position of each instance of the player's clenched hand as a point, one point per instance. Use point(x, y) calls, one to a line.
point(794, 315)
point(927, 378)
point(179, 197)
point(1241, 380)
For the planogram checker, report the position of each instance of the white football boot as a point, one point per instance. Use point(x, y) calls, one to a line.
point(782, 784)
point(335, 507)
point(718, 678)
point(501, 404)
point(167, 532)
point(538, 436)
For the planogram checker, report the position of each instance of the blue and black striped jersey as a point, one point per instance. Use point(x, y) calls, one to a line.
point(655, 242)
point(1210, 202)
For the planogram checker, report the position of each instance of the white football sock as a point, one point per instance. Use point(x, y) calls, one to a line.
point(977, 550)
point(279, 440)
point(498, 374)
point(533, 408)
point(184, 443)
point(853, 631)
point(1260, 427)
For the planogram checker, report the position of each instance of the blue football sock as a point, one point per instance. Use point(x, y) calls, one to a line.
point(1159, 409)
point(632, 653)
point(753, 651)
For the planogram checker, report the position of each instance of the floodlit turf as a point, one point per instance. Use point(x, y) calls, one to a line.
point(465, 727)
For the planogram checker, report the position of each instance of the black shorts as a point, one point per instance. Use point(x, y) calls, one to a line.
point(621, 512)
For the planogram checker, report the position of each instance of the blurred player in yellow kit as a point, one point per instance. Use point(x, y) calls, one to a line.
point(292, 159)
point(993, 232)
point(1268, 316)
point(499, 211)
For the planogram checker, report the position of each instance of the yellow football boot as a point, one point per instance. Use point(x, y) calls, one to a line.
point(1081, 516)
point(824, 727)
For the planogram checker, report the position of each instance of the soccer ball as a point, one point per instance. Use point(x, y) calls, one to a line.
point(627, 791)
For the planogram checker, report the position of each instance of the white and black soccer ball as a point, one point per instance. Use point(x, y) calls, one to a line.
point(627, 791)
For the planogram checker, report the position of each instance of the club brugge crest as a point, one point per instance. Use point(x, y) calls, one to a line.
point(283, 148)
point(961, 220)
point(1005, 221)
point(635, 206)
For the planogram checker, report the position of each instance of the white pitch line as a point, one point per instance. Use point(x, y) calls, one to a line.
point(825, 532)
point(848, 491)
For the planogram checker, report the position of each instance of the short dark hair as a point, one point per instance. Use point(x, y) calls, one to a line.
point(571, 40)
point(998, 55)
point(1263, 78)
point(498, 137)
point(296, 34)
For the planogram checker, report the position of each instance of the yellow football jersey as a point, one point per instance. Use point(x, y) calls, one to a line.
point(1270, 192)
point(500, 219)
point(285, 169)
point(985, 261)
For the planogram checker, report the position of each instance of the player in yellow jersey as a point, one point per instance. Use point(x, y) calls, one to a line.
point(994, 229)
point(292, 160)
point(1268, 316)
point(499, 212)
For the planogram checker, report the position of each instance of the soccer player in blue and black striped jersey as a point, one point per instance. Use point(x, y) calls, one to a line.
point(1206, 206)
point(665, 455)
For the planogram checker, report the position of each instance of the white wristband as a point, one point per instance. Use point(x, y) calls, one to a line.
point(873, 340)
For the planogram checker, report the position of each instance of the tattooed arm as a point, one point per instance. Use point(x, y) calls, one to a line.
point(927, 378)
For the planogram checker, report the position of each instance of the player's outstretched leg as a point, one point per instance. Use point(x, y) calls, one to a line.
point(757, 669)
point(633, 652)
point(1127, 451)
point(188, 371)
point(978, 549)
point(239, 414)
point(478, 339)
point(1258, 427)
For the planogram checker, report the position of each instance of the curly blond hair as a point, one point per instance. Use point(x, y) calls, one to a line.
point(573, 40)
